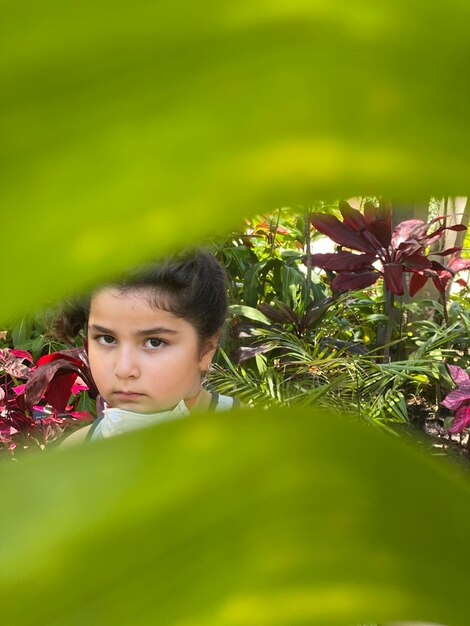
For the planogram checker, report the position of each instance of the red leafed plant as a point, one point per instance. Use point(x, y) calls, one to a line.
point(34, 400)
point(385, 252)
point(458, 400)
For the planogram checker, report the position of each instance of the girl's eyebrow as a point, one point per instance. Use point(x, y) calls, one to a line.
point(158, 330)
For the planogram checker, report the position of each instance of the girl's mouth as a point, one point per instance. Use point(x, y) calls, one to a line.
point(127, 395)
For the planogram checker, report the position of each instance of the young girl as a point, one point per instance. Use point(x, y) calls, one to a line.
point(150, 338)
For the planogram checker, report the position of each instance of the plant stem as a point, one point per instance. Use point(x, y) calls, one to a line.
point(444, 308)
point(308, 257)
point(273, 232)
point(389, 312)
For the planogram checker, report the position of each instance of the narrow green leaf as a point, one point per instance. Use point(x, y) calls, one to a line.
point(249, 312)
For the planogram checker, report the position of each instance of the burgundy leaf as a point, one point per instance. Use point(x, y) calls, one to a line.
point(459, 376)
point(438, 267)
point(416, 262)
point(341, 234)
point(369, 237)
point(448, 251)
point(272, 313)
point(439, 284)
point(247, 352)
point(314, 313)
point(437, 234)
point(379, 222)
point(406, 230)
point(393, 276)
point(54, 378)
point(40, 380)
point(288, 313)
point(407, 249)
point(457, 227)
point(456, 398)
point(352, 217)
point(60, 390)
point(461, 420)
point(346, 281)
point(417, 282)
point(342, 261)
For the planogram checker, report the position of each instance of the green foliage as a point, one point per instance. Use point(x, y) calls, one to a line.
point(33, 333)
point(264, 261)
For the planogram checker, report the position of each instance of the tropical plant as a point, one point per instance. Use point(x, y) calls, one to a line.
point(397, 251)
point(327, 373)
point(38, 403)
point(264, 262)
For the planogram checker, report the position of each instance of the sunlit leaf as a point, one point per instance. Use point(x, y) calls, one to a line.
point(130, 129)
point(249, 518)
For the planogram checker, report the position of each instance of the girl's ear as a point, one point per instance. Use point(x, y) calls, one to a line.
point(207, 352)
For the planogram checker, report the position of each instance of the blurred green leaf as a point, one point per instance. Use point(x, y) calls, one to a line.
point(131, 129)
point(243, 519)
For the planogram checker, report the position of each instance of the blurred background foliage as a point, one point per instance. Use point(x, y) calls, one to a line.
point(134, 129)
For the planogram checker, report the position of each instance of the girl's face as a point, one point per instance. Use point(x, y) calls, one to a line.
point(142, 358)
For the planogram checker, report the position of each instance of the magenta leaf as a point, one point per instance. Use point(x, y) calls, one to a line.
point(77, 387)
point(81, 415)
point(456, 398)
point(461, 420)
point(342, 261)
point(22, 354)
point(458, 264)
point(459, 376)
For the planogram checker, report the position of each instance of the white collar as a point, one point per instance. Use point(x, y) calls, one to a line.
point(118, 421)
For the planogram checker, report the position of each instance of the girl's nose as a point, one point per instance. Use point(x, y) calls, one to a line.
point(126, 364)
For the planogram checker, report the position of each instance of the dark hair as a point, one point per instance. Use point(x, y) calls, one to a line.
point(192, 285)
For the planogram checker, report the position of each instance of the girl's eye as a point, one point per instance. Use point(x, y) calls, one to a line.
point(105, 340)
point(153, 342)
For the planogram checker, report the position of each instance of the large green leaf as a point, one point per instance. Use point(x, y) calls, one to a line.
point(129, 128)
point(245, 519)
